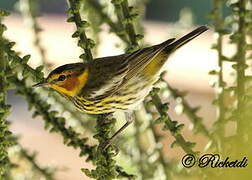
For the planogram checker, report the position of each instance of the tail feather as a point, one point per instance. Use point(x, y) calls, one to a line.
point(185, 39)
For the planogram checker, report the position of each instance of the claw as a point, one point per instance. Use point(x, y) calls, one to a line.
point(103, 146)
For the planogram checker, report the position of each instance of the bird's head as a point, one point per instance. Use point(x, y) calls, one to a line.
point(67, 79)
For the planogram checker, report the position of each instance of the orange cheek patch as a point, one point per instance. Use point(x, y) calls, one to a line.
point(71, 83)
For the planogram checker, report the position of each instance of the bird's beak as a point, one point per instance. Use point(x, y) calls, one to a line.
point(42, 83)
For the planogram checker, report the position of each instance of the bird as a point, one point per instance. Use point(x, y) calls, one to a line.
point(114, 83)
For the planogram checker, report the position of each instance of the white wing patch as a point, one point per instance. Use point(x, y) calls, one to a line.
point(110, 85)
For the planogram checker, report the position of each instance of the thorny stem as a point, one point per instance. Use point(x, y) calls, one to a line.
point(163, 162)
point(84, 42)
point(129, 24)
point(4, 111)
point(71, 138)
point(190, 112)
point(31, 158)
point(42, 108)
point(36, 75)
point(106, 167)
point(4, 108)
point(105, 164)
point(241, 64)
point(126, 22)
point(156, 99)
point(141, 150)
point(120, 18)
point(161, 158)
point(113, 26)
point(218, 24)
point(171, 125)
point(132, 34)
point(94, 30)
point(29, 11)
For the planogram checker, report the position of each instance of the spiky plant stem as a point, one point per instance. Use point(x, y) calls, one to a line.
point(29, 10)
point(4, 108)
point(241, 63)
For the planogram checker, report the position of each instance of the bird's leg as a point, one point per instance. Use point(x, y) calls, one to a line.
point(129, 120)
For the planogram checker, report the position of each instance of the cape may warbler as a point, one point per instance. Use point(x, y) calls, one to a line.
point(120, 82)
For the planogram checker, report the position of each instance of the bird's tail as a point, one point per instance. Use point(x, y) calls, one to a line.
point(185, 39)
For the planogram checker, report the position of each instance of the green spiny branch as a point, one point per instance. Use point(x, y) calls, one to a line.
point(187, 109)
point(105, 165)
point(45, 172)
point(105, 17)
point(170, 125)
point(124, 15)
point(161, 159)
point(217, 16)
point(29, 9)
point(94, 29)
point(143, 164)
point(241, 67)
point(85, 43)
point(4, 108)
point(126, 19)
point(125, 22)
point(128, 22)
point(71, 138)
point(53, 122)
point(57, 123)
point(36, 75)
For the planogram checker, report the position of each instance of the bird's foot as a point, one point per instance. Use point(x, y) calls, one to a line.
point(103, 146)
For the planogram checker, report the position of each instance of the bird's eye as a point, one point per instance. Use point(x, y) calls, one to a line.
point(61, 78)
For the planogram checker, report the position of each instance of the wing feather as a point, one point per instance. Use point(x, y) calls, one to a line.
point(108, 74)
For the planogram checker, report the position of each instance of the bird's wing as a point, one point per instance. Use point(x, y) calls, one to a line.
point(105, 75)
point(108, 74)
point(141, 58)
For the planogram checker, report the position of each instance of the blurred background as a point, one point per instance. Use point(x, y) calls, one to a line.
point(187, 70)
point(158, 10)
